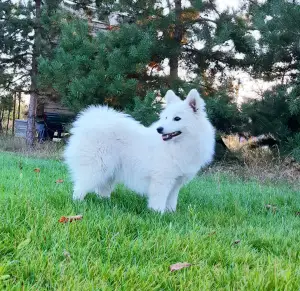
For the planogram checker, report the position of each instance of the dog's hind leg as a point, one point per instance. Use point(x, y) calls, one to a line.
point(104, 190)
point(79, 192)
point(84, 184)
point(90, 174)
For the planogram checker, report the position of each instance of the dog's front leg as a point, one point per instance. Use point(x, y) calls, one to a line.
point(158, 194)
point(173, 196)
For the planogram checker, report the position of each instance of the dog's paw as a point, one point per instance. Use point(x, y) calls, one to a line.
point(158, 209)
point(170, 209)
point(77, 197)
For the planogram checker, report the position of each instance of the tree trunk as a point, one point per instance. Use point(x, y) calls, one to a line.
point(19, 106)
point(1, 118)
point(30, 134)
point(178, 34)
point(173, 68)
point(8, 117)
point(14, 113)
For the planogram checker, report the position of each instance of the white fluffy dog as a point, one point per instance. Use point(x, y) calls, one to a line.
point(108, 147)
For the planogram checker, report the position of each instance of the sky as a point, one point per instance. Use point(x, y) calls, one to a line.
point(250, 88)
point(223, 4)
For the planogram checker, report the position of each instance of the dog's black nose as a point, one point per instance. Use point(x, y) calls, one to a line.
point(160, 129)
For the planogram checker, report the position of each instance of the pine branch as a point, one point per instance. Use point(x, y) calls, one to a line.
point(203, 19)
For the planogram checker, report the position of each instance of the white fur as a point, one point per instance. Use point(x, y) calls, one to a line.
point(107, 147)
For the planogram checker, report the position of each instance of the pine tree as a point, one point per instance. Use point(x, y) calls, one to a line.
point(109, 69)
point(128, 60)
point(181, 28)
point(15, 44)
point(277, 59)
point(23, 38)
point(278, 48)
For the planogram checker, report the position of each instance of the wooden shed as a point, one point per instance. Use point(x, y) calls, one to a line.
point(55, 117)
point(52, 116)
point(52, 120)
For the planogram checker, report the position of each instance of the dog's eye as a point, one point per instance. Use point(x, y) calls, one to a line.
point(177, 118)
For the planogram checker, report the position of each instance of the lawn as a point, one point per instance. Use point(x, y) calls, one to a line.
point(222, 227)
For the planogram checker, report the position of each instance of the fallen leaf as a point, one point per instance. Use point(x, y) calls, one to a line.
point(236, 242)
point(23, 244)
point(269, 206)
point(179, 266)
point(4, 277)
point(37, 170)
point(65, 219)
point(212, 233)
point(59, 181)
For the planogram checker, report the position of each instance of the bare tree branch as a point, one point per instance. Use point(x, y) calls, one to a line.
point(203, 19)
point(13, 59)
point(214, 8)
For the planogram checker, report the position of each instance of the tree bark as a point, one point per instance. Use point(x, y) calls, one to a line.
point(178, 34)
point(14, 113)
point(1, 118)
point(173, 68)
point(8, 117)
point(19, 105)
point(30, 134)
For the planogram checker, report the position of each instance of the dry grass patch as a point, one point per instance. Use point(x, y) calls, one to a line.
point(48, 149)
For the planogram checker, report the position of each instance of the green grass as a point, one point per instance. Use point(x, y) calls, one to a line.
point(120, 245)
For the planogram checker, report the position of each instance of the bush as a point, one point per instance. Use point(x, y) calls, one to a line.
point(224, 113)
point(277, 114)
point(292, 146)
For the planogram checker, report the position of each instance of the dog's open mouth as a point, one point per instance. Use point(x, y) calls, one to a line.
point(170, 135)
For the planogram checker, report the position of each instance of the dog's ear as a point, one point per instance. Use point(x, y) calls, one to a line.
point(171, 97)
point(194, 100)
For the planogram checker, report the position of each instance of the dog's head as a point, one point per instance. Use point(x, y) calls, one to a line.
point(180, 117)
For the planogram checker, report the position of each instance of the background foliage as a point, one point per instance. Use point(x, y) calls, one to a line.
point(130, 65)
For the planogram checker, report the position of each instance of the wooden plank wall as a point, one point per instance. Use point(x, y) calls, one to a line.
point(53, 107)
